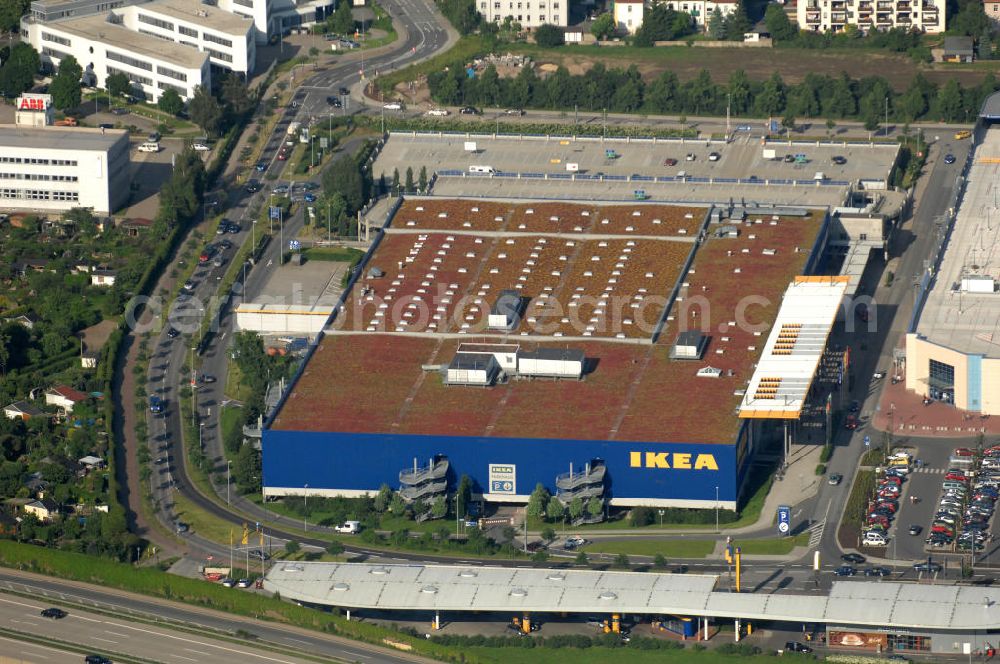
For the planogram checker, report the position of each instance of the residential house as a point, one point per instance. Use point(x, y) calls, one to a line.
point(628, 15)
point(958, 49)
point(27, 321)
point(102, 278)
point(867, 15)
point(8, 525)
point(992, 10)
point(22, 267)
point(21, 410)
point(701, 10)
point(91, 462)
point(64, 398)
point(45, 509)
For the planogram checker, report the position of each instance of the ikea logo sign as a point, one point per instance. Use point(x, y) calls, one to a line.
point(675, 460)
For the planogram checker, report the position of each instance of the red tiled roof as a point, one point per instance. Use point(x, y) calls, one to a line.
point(69, 393)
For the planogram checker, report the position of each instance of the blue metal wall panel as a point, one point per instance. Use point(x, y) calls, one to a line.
point(363, 462)
point(975, 382)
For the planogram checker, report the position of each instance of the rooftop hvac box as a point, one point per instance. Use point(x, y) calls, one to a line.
point(690, 345)
point(551, 362)
point(472, 369)
point(505, 313)
point(978, 284)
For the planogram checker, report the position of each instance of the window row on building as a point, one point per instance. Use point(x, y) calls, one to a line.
point(38, 176)
point(37, 194)
point(37, 161)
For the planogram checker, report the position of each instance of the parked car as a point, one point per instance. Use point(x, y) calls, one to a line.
point(838, 160)
point(878, 571)
point(928, 566)
point(244, 583)
point(227, 582)
point(714, 156)
point(438, 112)
point(949, 158)
point(201, 147)
point(845, 570)
point(669, 162)
point(261, 166)
point(253, 186)
point(514, 111)
point(851, 423)
point(469, 110)
point(795, 646)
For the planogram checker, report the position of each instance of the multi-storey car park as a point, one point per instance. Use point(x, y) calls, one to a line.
point(600, 350)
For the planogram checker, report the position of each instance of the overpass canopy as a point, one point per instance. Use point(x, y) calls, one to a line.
point(780, 384)
point(519, 590)
point(991, 108)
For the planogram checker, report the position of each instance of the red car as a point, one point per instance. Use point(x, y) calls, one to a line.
point(964, 452)
point(282, 156)
point(890, 505)
point(669, 162)
point(851, 423)
point(958, 477)
point(891, 479)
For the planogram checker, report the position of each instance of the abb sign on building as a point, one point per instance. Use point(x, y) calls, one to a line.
point(33, 110)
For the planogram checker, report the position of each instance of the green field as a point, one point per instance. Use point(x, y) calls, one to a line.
point(679, 548)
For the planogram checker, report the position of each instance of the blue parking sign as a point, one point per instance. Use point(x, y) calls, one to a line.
point(275, 212)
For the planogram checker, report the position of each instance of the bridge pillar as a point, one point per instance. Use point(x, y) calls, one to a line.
point(706, 629)
point(526, 624)
point(737, 632)
point(348, 615)
point(616, 623)
point(437, 620)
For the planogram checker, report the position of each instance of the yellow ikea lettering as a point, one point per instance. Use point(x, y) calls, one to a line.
point(705, 461)
point(680, 461)
point(657, 459)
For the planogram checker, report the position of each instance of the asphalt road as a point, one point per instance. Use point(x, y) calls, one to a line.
point(162, 642)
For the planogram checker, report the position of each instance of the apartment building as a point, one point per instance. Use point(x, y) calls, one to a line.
point(628, 15)
point(103, 47)
point(60, 168)
point(529, 13)
point(835, 15)
point(701, 10)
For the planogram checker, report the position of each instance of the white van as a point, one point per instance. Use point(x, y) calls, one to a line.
point(873, 539)
point(482, 169)
point(820, 176)
point(349, 527)
point(149, 147)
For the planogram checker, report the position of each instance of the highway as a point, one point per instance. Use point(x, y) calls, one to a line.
point(154, 631)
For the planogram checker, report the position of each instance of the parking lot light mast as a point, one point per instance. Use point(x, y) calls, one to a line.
point(716, 509)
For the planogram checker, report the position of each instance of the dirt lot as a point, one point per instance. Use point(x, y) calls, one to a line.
point(759, 63)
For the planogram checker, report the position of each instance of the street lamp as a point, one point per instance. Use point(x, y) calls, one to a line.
point(229, 465)
point(194, 393)
point(201, 436)
point(716, 509)
point(661, 517)
point(729, 100)
point(305, 505)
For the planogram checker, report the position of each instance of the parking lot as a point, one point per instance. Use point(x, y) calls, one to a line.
point(741, 158)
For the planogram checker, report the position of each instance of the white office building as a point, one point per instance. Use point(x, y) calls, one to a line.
point(227, 38)
point(529, 13)
point(104, 47)
point(59, 168)
point(835, 15)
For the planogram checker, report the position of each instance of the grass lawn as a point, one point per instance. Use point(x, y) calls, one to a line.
point(230, 419)
point(336, 254)
point(203, 523)
point(236, 389)
point(693, 548)
point(777, 546)
point(602, 655)
point(464, 50)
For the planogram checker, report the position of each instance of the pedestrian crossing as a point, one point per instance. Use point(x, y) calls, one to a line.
point(931, 471)
point(816, 534)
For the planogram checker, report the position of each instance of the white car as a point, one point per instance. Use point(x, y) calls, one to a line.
point(440, 112)
point(393, 106)
point(201, 147)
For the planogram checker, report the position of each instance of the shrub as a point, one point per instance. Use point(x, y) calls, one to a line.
point(827, 452)
point(821, 469)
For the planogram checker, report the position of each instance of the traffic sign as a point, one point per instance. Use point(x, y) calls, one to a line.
point(784, 519)
point(868, 441)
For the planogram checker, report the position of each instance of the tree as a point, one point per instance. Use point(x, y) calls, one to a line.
point(335, 548)
point(548, 534)
point(18, 72)
point(830, 125)
point(738, 23)
point(771, 99)
point(205, 111)
point(537, 501)
point(740, 96)
point(439, 508)
point(344, 176)
point(949, 101)
point(382, 499)
point(170, 102)
point(581, 558)
point(11, 12)
point(576, 508)
point(640, 516)
point(4, 352)
point(395, 181)
point(788, 122)
point(462, 15)
point(343, 19)
point(912, 104)
point(595, 506)
point(397, 505)
point(540, 557)
point(463, 496)
point(292, 547)
point(555, 510)
point(422, 180)
point(408, 186)
point(659, 560)
point(717, 24)
point(118, 84)
point(488, 86)
point(661, 23)
point(603, 26)
point(65, 92)
point(778, 23)
point(549, 36)
point(621, 560)
point(235, 95)
point(247, 469)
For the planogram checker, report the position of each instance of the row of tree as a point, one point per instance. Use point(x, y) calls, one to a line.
point(624, 90)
